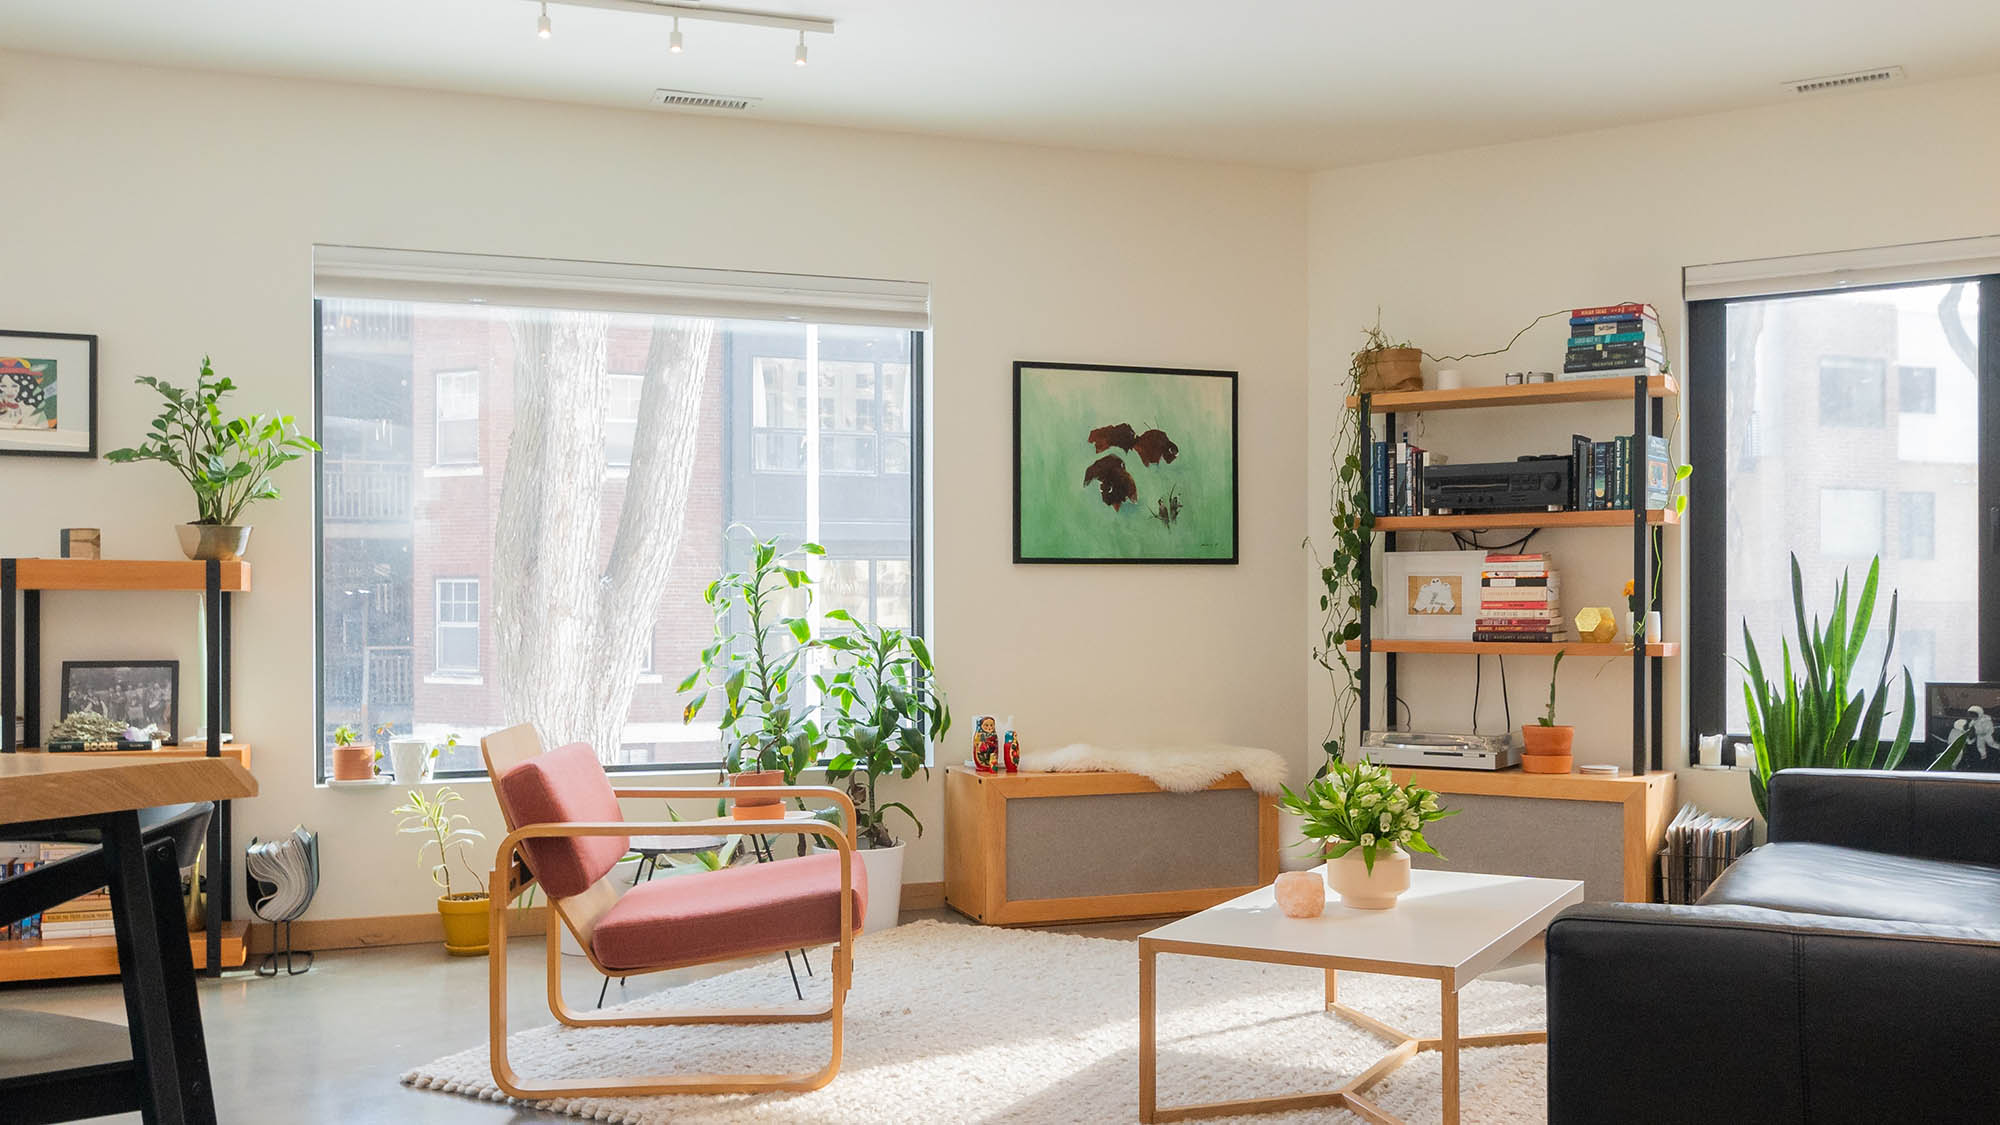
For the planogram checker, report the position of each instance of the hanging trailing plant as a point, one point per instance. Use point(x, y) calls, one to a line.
point(1344, 596)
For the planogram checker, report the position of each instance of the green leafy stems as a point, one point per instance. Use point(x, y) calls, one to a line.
point(449, 832)
point(1548, 718)
point(1344, 597)
point(766, 723)
point(228, 464)
point(1809, 719)
point(1360, 805)
point(890, 711)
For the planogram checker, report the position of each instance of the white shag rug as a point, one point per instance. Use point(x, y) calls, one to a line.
point(959, 1023)
point(1178, 769)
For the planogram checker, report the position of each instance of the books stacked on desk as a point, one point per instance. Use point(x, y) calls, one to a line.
point(1519, 600)
point(1396, 477)
point(1605, 474)
point(1614, 341)
point(1699, 848)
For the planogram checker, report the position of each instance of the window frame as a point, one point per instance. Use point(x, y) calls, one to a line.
point(438, 419)
point(1709, 673)
point(439, 625)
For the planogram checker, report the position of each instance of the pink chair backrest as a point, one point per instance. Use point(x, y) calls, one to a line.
point(563, 786)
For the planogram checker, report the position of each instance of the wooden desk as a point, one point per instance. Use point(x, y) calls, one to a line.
point(167, 1075)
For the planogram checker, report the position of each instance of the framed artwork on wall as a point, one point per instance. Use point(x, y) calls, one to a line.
point(134, 692)
point(48, 394)
point(1971, 708)
point(1430, 595)
point(1124, 464)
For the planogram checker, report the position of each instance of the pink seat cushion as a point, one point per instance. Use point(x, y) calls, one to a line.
point(760, 908)
point(563, 786)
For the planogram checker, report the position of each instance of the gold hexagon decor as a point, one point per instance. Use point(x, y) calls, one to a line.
point(1596, 624)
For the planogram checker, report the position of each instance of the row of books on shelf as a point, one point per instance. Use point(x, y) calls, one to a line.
point(1604, 474)
point(1519, 599)
point(1396, 477)
point(1610, 341)
point(1699, 847)
point(85, 916)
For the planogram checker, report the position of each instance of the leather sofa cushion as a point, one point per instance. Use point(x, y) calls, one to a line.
point(1848, 882)
point(734, 912)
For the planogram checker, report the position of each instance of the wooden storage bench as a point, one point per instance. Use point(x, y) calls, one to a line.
point(1077, 847)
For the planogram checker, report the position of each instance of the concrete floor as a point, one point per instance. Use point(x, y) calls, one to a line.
point(329, 1046)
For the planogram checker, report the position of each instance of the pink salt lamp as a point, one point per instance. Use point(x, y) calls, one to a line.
point(1301, 894)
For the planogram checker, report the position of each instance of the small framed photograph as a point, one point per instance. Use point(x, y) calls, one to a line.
point(1430, 595)
point(48, 394)
point(1970, 709)
point(137, 693)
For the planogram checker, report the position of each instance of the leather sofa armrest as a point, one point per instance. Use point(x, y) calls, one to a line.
point(1949, 816)
point(1701, 1014)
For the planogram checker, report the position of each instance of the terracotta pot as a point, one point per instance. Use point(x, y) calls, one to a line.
point(353, 763)
point(1362, 889)
point(465, 923)
point(1392, 369)
point(213, 540)
point(760, 807)
point(1546, 749)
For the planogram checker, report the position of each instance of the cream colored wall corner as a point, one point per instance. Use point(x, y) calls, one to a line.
point(1460, 250)
point(173, 214)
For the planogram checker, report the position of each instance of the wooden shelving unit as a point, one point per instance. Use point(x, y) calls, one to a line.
point(1516, 648)
point(64, 958)
point(22, 583)
point(240, 751)
point(1615, 517)
point(1530, 394)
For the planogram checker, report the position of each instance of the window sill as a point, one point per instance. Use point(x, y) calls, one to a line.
point(455, 471)
point(469, 679)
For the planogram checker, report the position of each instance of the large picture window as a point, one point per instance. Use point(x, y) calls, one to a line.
point(793, 428)
point(1803, 444)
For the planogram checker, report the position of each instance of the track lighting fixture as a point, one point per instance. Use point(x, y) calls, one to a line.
point(542, 26)
point(674, 41)
point(694, 10)
point(799, 56)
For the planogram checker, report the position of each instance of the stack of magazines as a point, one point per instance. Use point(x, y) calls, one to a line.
point(1699, 848)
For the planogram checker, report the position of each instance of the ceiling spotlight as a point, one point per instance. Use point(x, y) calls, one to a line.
point(799, 56)
point(674, 42)
point(542, 27)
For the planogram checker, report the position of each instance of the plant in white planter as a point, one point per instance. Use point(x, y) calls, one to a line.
point(1364, 820)
point(889, 711)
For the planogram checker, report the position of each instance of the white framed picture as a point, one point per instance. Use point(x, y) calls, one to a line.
point(1430, 595)
point(48, 394)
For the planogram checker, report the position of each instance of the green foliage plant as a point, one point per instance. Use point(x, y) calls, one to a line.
point(889, 711)
point(1548, 718)
point(227, 463)
point(1359, 805)
point(452, 834)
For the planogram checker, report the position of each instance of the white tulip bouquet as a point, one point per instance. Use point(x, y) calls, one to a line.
point(1361, 806)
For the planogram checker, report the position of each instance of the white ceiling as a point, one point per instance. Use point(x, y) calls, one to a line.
point(1299, 83)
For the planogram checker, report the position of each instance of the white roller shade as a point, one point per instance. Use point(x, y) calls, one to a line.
point(1881, 265)
point(416, 275)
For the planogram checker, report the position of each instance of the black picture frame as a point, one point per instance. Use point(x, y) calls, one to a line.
point(81, 687)
point(1235, 465)
point(1947, 704)
point(8, 347)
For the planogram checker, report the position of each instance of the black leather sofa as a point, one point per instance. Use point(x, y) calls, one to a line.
point(1849, 970)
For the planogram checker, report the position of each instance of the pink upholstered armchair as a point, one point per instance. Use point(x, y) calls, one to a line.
point(567, 832)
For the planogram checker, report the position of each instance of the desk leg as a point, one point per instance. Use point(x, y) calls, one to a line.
point(1448, 1047)
point(156, 969)
point(1148, 1061)
point(1332, 988)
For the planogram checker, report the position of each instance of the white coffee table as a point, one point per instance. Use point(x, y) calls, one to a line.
point(1449, 927)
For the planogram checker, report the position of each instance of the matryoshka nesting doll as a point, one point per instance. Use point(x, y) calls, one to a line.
point(1010, 752)
point(986, 745)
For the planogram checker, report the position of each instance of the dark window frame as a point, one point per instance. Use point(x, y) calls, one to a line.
point(1708, 670)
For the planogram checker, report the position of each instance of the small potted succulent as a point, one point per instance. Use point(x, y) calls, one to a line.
point(352, 761)
point(227, 464)
point(1367, 826)
point(452, 834)
point(1545, 747)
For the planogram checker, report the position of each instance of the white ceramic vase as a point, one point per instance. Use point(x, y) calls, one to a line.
point(411, 759)
point(885, 888)
point(1362, 889)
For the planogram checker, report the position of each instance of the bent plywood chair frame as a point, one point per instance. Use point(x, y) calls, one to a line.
point(581, 912)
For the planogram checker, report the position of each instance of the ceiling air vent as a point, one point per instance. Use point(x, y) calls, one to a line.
point(1828, 82)
point(696, 99)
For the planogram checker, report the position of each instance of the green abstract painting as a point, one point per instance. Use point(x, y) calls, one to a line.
point(1124, 464)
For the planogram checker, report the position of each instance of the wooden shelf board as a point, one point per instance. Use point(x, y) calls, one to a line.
point(57, 958)
point(1517, 648)
point(240, 751)
point(1530, 394)
point(1517, 782)
point(1617, 517)
point(126, 574)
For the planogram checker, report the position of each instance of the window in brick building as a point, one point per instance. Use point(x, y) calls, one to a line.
point(798, 428)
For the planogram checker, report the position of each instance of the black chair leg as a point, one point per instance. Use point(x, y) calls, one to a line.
point(163, 1012)
point(602, 989)
point(795, 975)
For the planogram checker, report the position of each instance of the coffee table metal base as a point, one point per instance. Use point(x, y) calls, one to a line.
point(1351, 1095)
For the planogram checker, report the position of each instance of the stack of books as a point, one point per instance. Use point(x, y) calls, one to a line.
point(1613, 341)
point(1519, 600)
point(1605, 474)
point(84, 916)
point(1699, 848)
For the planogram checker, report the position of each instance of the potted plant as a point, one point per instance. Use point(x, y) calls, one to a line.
point(413, 758)
point(1810, 719)
point(769, 734)
point(1545, 747)
point(890, 711)
point(228, 464)
point(351, 760)
point(463, 912)
point(1385, 364)
point(1367, 825)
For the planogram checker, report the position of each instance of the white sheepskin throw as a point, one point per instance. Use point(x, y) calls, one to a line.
point(1180, 769)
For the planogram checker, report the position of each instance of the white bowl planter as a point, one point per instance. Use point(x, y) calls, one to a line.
point(885, 888)
point(411, 759)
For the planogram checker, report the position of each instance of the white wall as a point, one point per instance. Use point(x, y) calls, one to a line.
point(1460, 250)
point(173, 214)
